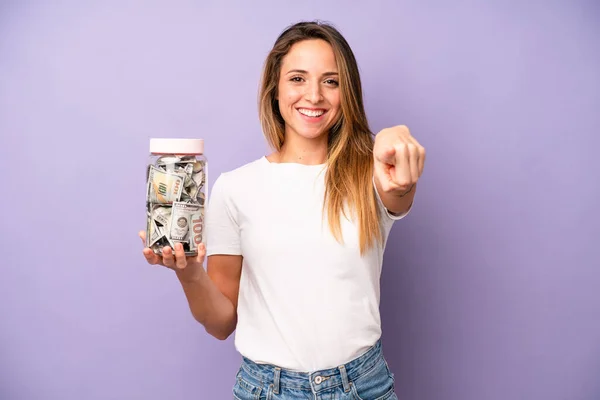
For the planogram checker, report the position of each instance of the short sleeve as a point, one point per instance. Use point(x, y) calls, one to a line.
point(386, 212)
point(221, 226)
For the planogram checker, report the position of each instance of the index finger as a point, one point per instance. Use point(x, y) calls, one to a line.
point(386, 155)
point(151, 257)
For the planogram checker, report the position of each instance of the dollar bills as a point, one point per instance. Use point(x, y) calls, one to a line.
point(175, 203)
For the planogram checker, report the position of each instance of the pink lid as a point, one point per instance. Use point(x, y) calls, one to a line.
point(176, 146)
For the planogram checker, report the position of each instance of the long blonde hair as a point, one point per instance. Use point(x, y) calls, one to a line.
point(350, 142)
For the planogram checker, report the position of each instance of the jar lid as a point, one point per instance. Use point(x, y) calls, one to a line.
point(176, 146)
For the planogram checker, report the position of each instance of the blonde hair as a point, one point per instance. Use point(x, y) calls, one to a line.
point(350, 142)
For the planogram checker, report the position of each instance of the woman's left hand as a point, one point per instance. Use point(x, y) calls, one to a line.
point(398, 160)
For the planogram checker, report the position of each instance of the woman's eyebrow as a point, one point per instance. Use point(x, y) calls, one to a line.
point(301, 71)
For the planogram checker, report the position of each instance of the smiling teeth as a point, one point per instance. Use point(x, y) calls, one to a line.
point(311, 113)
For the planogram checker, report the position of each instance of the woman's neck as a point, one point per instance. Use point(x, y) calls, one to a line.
point(298, 149)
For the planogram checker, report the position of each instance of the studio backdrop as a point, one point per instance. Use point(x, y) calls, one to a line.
point(490, 286)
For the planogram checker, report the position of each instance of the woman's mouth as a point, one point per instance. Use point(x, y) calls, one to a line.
point(312, 115)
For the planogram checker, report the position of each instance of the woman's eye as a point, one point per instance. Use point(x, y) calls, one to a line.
point(332, 82)
point(296, 79)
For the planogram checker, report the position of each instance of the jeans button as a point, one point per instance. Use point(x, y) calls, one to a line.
point(318, 380)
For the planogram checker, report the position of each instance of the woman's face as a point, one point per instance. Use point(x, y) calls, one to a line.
point(308, 89)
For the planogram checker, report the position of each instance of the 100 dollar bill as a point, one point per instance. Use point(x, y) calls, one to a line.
point(186, 224)
point(164, 187)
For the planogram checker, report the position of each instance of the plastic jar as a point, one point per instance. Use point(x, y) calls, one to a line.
point(176, 181)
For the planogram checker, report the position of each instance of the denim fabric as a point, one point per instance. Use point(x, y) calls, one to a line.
point(367, 377)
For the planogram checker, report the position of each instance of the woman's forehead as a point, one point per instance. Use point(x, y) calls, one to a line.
point(310, 56)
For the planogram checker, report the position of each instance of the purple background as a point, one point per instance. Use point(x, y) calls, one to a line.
point(490, 287)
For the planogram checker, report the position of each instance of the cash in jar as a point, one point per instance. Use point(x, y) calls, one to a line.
point(176, 180)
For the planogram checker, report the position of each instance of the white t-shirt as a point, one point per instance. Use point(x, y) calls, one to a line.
point(306, 302)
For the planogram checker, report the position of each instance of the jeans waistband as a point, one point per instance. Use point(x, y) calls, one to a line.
point(318, 380)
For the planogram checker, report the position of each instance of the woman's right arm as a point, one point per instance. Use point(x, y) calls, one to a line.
point(213, 294)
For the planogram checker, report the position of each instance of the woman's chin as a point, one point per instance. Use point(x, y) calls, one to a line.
point(312, 133)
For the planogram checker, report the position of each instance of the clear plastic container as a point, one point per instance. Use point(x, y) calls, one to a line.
point(176, 179)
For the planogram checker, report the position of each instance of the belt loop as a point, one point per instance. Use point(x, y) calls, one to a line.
point(276, 381)
point(344, 375)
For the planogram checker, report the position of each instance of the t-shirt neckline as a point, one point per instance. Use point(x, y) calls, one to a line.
point(292, 164)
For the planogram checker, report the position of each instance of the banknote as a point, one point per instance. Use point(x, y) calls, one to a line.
point(196, 228)
point(161, 214)
point(164, 187)
point(198, 167)
point(186, 172)
point(164, 233)
point(165, 160)
point(155, 233)
point(199, 179)
point(176, 159)
point(181, 220)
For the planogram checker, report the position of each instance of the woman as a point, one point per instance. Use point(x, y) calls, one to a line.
point(295, 239)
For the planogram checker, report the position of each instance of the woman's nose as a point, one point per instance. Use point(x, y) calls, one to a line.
point(313, 93)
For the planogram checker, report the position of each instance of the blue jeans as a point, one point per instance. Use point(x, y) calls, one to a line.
point(367, 377)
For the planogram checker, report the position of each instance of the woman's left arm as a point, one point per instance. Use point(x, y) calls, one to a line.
point(398, 164)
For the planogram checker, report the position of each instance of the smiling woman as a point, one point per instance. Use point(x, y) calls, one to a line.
point(311, 110)
point(308, 91)
point(303, 296)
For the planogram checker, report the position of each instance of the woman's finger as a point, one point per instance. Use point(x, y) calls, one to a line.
point(180, 260)
point(421, 155)
point(402, 176)
point(414, 162)
point(168, 259)
point(201, 253)
point(152, 258)
point(385, 155)
point(142, 235)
